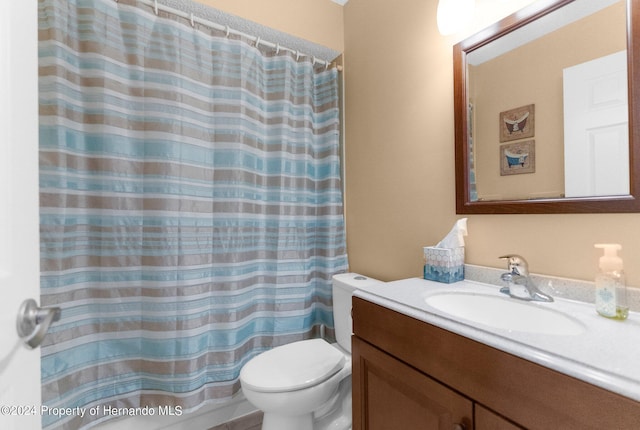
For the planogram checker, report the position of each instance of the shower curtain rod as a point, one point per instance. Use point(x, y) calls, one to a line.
point(258, 41)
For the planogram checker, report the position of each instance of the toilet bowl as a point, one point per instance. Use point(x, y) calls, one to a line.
point(306, 385)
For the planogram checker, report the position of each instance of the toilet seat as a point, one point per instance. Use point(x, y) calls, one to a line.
point(292, 367)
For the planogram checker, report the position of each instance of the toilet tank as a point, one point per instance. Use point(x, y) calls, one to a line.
point(344, 285)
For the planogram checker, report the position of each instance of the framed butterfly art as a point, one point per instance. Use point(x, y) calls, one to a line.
point(518, 123)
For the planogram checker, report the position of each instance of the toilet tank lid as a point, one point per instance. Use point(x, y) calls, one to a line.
point(293, 366)
point(355, 280)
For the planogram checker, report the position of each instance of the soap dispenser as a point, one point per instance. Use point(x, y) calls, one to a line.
point(611, 290)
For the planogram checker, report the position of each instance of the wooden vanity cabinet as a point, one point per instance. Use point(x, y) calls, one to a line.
point(408, 374)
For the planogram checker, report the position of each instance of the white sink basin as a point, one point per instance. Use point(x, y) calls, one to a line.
point(506, 313)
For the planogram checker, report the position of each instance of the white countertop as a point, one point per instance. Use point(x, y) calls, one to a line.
point(607, 354)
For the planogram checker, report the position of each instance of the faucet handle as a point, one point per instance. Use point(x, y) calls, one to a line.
point(516, 264)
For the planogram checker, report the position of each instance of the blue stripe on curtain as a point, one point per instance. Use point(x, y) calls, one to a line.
point(191, 206)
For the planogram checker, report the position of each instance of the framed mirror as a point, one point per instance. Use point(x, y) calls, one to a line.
point(547, 114)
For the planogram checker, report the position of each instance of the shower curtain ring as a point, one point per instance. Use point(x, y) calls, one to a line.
point(297, 55)
point(226, 31)
point(193, 23)
point(155, 6)
point(258, 42)
point(277, 48)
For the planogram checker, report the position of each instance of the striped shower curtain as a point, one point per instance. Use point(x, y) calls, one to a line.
point(191, 208)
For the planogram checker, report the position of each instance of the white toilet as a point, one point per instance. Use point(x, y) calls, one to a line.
point(306, 385)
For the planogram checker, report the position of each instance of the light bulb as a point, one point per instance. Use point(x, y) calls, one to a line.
point(453, 15)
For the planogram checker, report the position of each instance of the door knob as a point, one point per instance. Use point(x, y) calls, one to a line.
point(33, 322)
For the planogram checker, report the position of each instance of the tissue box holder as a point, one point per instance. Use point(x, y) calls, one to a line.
point(444, 264)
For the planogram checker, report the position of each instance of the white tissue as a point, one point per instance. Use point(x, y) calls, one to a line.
point(455, 238)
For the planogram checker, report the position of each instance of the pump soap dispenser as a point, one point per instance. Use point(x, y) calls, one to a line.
point(611, 290)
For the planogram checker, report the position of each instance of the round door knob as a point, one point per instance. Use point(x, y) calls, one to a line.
point(33, 322)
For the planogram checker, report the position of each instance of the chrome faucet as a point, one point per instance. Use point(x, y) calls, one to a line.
point(519, 284)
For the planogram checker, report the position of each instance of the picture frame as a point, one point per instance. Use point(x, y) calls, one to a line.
point(518, 158)
point(518, 123)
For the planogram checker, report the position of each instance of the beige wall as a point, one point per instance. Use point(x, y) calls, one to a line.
point(319, 21)
point(399, 135)
point(400, 160)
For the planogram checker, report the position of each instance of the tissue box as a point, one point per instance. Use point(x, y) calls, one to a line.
point(444, 264)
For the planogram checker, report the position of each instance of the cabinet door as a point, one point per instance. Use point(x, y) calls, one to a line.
point(390, 395)
point(488, 420)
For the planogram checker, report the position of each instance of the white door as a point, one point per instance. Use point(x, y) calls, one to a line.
point(596, 133)
point(19, 259)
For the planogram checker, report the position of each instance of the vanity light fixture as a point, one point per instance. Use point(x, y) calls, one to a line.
point(453, 15)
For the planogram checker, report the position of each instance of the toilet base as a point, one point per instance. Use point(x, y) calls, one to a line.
point(334, 414)
point(287, 422)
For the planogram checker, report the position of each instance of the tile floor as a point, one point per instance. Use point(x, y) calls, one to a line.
point(248, 422)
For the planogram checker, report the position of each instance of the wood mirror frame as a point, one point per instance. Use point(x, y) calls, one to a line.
point(607, 204)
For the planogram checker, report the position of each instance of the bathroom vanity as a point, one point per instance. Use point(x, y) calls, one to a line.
point(415, 367)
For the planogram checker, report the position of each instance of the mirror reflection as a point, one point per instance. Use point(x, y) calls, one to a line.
point(548, 108)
